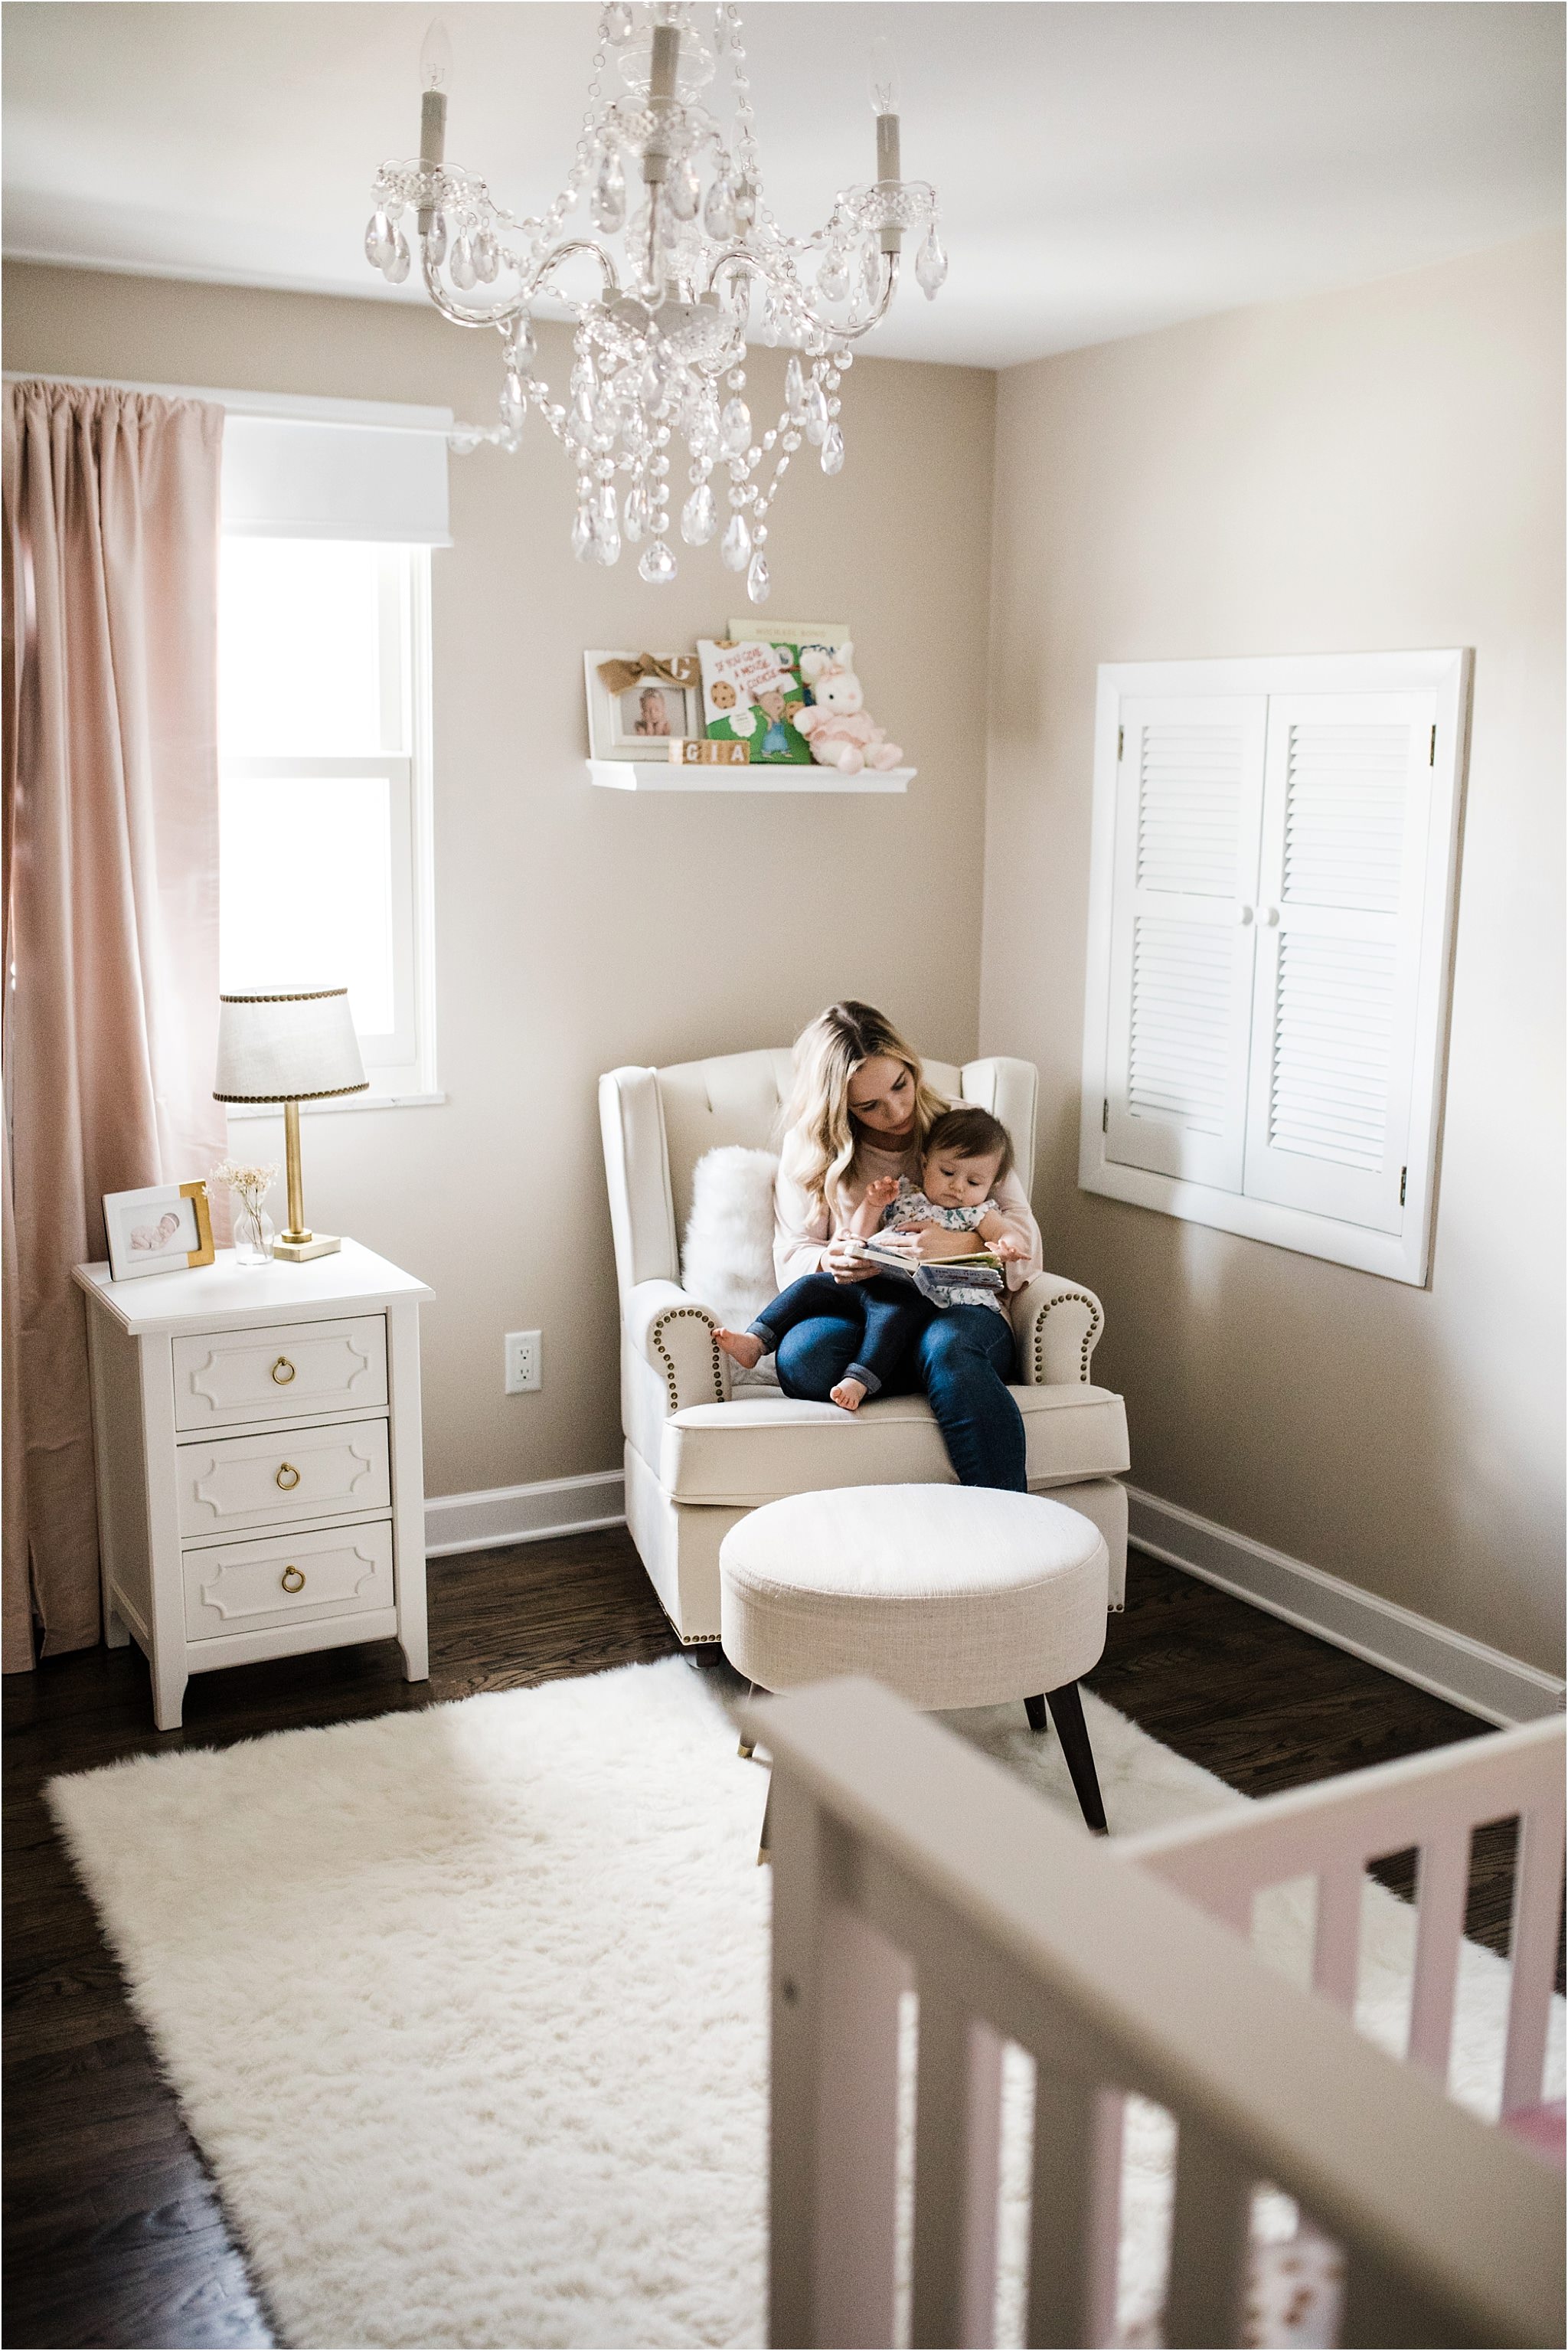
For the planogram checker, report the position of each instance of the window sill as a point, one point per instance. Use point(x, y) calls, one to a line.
point(1398, 1257)
point(332, 1109)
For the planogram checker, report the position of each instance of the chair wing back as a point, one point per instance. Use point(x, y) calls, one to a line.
point(1009, 1090)
point(657, 1124)
point(733, 1097)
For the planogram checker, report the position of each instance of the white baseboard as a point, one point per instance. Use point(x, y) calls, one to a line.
point(510, 1514)
point(1498, 1688)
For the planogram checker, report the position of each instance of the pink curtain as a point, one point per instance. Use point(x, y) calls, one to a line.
point(110, 834)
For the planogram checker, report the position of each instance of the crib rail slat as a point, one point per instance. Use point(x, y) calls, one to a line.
point(833, 2168)
point(1441, 1888)
point(982, 2202)
point(1208, 2241)
point(1384, 2310)
point(1533, 1944)
point(1336, 1944)
point(1061, 2232)
point(941, 2110)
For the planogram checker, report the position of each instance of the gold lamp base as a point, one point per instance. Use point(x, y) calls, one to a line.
point(297, 1244)
point(312, 1244)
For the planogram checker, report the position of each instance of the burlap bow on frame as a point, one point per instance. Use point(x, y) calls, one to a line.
point(624, 672)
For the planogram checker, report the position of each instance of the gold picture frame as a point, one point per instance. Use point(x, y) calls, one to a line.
point(151, 1231)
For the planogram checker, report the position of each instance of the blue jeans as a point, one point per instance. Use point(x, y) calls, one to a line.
point(882, 1315)
point(963, 1359)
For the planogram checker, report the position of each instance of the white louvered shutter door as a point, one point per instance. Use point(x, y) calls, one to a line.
point(1189, 811)
point(1346, 809)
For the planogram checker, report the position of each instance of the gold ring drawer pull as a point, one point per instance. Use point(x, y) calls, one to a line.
point(283, 1371)
point(287, 1477)
point(297, 1584)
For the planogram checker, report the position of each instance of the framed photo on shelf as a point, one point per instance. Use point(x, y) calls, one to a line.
point(163, 1229)
point(638, 704)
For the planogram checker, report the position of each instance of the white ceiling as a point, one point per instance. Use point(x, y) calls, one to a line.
point(1104, 166)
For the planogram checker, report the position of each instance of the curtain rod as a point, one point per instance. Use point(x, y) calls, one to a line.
point(300, 408)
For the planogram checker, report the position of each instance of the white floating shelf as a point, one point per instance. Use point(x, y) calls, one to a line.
point(659, 776)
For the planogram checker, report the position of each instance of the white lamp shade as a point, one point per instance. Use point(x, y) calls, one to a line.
point(287, 1048)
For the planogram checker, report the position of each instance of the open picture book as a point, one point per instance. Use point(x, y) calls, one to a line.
point(979, 1268)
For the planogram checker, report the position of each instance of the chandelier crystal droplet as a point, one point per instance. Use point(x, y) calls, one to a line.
point(683, 247)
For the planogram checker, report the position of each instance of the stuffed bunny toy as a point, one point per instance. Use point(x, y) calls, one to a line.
point(835, 723)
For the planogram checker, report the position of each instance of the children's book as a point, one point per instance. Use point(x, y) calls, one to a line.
point(981, 1268)
point(751, 694)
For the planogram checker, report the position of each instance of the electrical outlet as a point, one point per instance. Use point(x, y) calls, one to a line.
point(521, 1361)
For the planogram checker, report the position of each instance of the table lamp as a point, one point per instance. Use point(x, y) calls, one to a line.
point(289, 1048)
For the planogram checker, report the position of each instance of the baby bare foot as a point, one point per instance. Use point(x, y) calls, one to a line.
point(742, 1346)
point(849, 1395)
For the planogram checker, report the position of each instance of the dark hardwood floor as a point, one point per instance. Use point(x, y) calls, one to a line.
point(114, 2235)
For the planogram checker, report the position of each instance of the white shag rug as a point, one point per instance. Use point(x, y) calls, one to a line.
point(468, 2007)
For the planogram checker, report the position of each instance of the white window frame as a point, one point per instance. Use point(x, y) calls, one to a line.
point(401, 1066)
point(1403, 1255)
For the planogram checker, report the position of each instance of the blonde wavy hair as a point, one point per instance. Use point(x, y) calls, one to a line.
point(817, 1128)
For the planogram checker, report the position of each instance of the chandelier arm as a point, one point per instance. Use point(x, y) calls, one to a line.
point(560, 252)
point(501, 316)
point(853, 334)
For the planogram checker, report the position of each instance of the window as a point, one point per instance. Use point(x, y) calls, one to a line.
point(324, 782)
point(1269, 931)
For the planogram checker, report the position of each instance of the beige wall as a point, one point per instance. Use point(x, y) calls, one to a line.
point(576, 928)
point(1372, 469)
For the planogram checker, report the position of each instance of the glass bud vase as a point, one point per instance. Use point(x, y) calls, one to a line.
point(253, 1231)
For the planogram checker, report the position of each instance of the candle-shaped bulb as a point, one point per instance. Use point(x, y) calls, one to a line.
point(882, 82)
point(881, 78)
point(435, 57)
point(435, 80)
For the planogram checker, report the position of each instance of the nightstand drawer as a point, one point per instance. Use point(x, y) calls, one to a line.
point(246, 1587)
point(280, 1372)
point(283, 1477)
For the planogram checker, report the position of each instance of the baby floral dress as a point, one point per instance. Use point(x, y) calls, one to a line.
point(912, 1207)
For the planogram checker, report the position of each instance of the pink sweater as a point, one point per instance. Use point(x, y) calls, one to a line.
point(803, 1226)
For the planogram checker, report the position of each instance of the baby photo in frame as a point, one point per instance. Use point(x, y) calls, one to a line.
point(163, 1229)
point(638, 704)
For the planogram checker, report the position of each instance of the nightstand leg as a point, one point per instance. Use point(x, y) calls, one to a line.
point(415, 1646)
point(115, 1631)
point(168, 1695)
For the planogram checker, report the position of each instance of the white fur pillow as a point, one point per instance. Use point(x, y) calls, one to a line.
point(728, 1259)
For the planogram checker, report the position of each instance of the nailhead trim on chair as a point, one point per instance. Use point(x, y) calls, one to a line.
point(678, 1314)
point(1096, 1319)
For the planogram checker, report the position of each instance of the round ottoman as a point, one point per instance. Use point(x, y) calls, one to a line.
point(951, 1596)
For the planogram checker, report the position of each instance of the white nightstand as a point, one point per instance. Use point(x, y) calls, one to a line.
point(260, 1477)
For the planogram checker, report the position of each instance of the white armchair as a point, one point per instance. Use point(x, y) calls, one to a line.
point(696, 1459)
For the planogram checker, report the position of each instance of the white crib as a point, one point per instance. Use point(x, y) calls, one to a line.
point(907, 1863)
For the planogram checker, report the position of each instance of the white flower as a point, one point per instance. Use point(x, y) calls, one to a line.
point(252, 1183)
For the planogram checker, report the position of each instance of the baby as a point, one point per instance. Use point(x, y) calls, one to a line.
point(966, 1154)
point(157, 1236)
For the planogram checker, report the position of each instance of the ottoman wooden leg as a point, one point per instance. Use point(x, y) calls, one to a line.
point(1035, 1709)
point(1067, 1713)
point(745, 1751)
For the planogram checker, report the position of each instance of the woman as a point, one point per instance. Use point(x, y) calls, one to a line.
point(859, 1109)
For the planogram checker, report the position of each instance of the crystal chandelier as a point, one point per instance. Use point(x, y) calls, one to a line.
point(685, 245)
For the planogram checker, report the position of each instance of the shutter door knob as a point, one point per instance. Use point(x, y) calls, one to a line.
point(1244, 915)
point(1271, 916)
